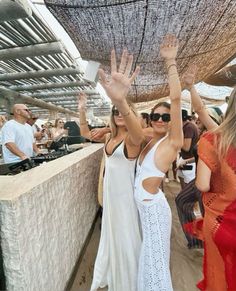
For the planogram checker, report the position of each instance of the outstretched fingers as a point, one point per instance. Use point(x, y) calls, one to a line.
point(113, 61)
point(134, 75)
point(123, 61)
point(129, 66)
point(102, 77)
point(192, 69)
point(169, 40)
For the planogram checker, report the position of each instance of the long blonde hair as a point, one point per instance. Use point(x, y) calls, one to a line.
point(113, 126)
point(226, 131)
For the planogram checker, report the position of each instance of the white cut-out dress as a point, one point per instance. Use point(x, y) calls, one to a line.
point(155, 215)
point(116, 264)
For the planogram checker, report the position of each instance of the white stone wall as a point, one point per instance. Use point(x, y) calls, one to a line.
point(44, 228)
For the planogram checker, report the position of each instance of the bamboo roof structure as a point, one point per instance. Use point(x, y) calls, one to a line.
point(206, 30)
point(35, 65)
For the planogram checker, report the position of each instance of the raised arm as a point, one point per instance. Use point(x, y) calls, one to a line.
point(117, 88)
point(84, 129)
point(198, 106)
point(168, 51)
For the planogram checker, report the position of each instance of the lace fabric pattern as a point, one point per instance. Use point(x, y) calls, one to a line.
point(154, 272)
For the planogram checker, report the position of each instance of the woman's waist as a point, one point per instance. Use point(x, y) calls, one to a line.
point(141, 194)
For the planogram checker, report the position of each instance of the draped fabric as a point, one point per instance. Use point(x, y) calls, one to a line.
point(206, 30)
point(219, 224)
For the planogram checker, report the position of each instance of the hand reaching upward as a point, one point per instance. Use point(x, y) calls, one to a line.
point(82, 100)
point(188, 77)
point(119, 83)
point(169, 47)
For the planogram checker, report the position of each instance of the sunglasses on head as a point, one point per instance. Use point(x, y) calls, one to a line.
point(156, 116)
point(115, 112)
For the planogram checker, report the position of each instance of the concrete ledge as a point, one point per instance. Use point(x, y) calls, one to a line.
point(46, 214)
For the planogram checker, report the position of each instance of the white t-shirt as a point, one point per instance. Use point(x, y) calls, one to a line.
point(21, 135)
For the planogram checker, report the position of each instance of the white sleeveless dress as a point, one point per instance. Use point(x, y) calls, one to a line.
point(155, 215)
point(116, 265)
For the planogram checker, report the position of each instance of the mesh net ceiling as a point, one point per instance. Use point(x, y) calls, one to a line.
point(206, 31)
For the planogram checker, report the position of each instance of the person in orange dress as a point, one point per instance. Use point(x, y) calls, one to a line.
point(216, 179)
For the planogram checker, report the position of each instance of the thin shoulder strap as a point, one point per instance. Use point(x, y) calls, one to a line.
point(107, 138)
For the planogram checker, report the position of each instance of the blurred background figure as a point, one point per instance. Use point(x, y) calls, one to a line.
point(191, 136)
point(145, 120)
point(2, 121)
point(58, 131)
point(37, 132)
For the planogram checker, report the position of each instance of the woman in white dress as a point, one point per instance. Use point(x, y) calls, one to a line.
point(153, 163)
point(116, 264)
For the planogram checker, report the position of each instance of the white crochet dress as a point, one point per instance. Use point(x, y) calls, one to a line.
point(155, 215)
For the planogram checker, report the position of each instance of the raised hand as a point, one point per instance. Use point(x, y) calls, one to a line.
point(169, 47)
point(119, 83)
point(98, 133)
point(188, 78)
point(82, 100)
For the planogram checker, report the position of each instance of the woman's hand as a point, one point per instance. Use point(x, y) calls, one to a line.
point(118, 84)
point(188, 77)
point(169, 47)
point(82, 101)
point(180, 163)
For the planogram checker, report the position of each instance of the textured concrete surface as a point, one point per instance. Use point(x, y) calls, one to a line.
point(46, 214)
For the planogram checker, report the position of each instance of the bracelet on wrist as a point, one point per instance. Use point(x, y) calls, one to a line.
point(127, 113)
point(200, 108)
point(172, 65)
point(169, 75)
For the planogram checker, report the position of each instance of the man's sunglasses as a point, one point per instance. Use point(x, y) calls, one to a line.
point(25, 109)
point(156, 116)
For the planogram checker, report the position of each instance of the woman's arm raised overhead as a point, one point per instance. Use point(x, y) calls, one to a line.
point(117, 87)
point(168, 51)
point(198, 106)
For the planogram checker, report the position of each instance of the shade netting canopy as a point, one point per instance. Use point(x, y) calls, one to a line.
point(206, 30)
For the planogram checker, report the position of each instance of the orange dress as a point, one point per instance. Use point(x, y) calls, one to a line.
point(219, 223)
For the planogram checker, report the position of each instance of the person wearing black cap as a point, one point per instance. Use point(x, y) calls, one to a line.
point(187, 174)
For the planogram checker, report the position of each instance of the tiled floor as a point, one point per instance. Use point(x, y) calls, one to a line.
point(185, 263)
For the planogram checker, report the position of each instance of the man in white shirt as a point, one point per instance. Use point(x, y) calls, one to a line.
point(17, 137)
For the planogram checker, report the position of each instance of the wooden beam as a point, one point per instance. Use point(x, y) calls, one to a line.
point(31, 51)
point(48, 86)
point(9, 94)
point(63, 93)
point(12, 10)
point(39, 74)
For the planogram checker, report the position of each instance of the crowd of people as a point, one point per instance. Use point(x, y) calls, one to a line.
point(134, 248)
point(21, 138)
